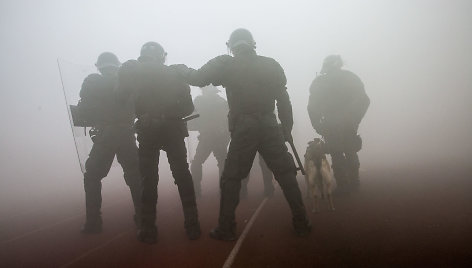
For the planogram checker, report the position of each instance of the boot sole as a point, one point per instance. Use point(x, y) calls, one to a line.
point(222, 238)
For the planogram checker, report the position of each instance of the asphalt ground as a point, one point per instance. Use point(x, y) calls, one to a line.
point(399, 218)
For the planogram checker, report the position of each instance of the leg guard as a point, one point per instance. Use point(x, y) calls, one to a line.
point(189, 205)
point(339, 171)
point(352, 169)
point(149, 170)
point(93, 197)
point(229, 200)
point(292, 194)
point(93, 203)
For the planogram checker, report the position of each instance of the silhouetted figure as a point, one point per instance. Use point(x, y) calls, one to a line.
point(212, 126)
point(337, 104)
point(266, 178)
point(161, 102)
point(253, 84)
point(112, 134)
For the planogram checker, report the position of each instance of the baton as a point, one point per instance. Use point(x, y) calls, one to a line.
point(294, 150)
point(190, 117)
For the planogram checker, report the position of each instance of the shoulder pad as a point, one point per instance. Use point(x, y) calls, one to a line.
point(128, 71)
point(129, 66)
point(351, 76)
point(93, 77)
point(222, 59)
point(90, 84)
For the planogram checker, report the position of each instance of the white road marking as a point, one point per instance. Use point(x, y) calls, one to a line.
point(229, 261)
point(118, 236)
point(18, 237)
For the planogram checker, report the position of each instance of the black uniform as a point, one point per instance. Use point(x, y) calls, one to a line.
point(113, 135)
point(253, 84)
point(214, 136)
point(337, 104)
point(161, 102)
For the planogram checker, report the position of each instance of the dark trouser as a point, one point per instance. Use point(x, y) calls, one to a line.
point(343, 149)
point(251, 134)
point(150, 144)
point(111, 141)
point(206, 145)
point(266, 178)
point(345, 168)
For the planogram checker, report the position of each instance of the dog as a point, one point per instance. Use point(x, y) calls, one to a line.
point(319, 179)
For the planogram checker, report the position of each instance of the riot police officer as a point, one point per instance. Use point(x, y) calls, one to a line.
point(161, 101)
point(253, 84)
point(112, 134)
point(212, 126)
point(337, 104)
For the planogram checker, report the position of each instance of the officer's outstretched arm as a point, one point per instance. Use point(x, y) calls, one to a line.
point(210, 73)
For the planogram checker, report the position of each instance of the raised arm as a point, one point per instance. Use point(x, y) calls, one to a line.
point(210, 73)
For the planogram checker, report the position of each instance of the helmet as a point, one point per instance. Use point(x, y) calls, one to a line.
point(241, 37)
point(107, 59)
point(332, 62)
point(154, 51)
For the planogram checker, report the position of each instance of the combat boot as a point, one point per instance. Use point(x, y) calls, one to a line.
point(148, 235)
point(193, 230)
point(302, 227)
point(191, 223)
point(92, 226)
point(224, 232)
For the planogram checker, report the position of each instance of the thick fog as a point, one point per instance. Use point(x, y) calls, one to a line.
point(414, 58)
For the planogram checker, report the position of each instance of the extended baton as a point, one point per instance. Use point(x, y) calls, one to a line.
point(190, 117)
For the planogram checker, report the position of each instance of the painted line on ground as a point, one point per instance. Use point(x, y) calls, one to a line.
point(231, 257)
point(12, 217)
point(51, 225)
point(40, 229)
point(103, 245)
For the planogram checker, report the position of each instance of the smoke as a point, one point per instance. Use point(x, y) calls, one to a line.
point(413, 57)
